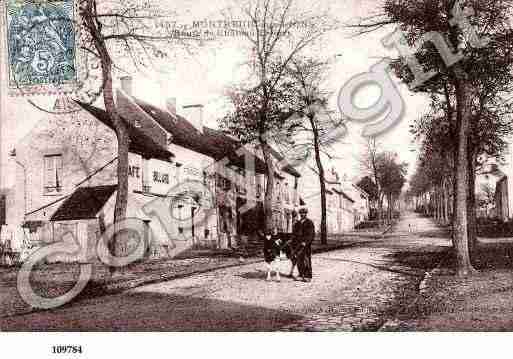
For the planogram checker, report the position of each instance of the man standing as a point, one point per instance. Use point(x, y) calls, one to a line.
point(304, 234)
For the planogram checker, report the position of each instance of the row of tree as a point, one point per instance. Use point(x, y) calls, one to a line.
point(470, 111)
point(385, 180)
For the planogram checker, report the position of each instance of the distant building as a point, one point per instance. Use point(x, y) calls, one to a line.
point(340, 212)
point(361, 200)
point(486, 184)
point(502, 175)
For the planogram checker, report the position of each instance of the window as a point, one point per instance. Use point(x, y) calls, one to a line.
point(177, 172)
point(287, 193)
point(53, 174)
point(240, 181)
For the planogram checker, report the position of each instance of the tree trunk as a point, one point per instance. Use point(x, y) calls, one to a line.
point(389, 199)
point(471, 204)
point(120, 128)
point(437, 207)
point(380, 209)
point(269, 190)
point(446, 202)
point(324, 219)
point(440, 204)
point(320, 168)
point(460, 235)
point(454, 190)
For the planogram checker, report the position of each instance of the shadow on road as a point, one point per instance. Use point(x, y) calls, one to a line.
point(425, 260)
point(490, 256)
point(258, 275)
point(494, 256)
point(150, 311)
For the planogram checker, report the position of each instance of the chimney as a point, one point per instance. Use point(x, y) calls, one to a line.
point(194, 114)
point(170, 105)
point(127, 85)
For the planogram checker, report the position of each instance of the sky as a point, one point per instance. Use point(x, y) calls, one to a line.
point(203, 78)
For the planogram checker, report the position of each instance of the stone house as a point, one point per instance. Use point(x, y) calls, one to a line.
point(188, 183)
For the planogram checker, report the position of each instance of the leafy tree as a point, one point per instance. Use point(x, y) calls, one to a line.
point(320, 130)
point(491, 123)
point(490, 20)
point(368, 185)
point(278, 34)
point(392, 177)
point(369, 161)
point(486, 196)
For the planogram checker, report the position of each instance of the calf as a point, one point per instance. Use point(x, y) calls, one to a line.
point(272, 247)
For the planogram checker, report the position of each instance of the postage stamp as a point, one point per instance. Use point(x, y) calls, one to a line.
point(41, 42)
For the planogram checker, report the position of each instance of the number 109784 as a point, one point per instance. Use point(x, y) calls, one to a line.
point(67, 349)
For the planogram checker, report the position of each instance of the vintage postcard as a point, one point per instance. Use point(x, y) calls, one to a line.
point(255, 166)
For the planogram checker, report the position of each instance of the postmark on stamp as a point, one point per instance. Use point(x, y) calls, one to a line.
point(41, 40)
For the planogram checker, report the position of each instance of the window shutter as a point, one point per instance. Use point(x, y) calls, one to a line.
point(49, 172)
point(52, 173)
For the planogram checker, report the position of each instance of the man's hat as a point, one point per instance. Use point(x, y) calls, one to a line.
point(303, 210)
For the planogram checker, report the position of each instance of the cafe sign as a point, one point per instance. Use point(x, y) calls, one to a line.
point(135, 172)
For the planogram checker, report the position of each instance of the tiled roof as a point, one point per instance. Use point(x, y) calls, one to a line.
point(211, 142)
point(140, 142)
point(84, 203)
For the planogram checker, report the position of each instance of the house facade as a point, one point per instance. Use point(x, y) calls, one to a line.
point(191, 185)
point(340, 213)
point(361, 200)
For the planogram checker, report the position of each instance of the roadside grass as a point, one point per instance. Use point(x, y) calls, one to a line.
point(480, 302)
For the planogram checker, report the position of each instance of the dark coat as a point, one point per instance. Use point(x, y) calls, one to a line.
point(304, 231)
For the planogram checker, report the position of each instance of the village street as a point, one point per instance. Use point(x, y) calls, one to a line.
point(356, 288)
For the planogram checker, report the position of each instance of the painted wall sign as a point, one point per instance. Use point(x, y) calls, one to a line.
point(192, 172)
point(134, 171)
point(160, 177)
